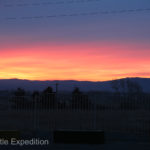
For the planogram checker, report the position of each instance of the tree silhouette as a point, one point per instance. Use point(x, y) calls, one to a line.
point(115, 85)
point(35, 94)
point(76, 91)
point(20, 92)
point(126, 86)
point(48, 90)
point(134, 87)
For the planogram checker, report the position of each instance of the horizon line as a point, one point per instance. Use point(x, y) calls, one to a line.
point(77, 80)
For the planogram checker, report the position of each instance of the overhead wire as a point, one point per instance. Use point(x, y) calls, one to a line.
point(46, 3)
point(94, 13)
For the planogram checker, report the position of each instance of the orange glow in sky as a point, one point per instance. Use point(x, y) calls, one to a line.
point(90, 61)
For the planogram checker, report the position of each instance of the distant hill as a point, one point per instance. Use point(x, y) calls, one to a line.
point(68, 85)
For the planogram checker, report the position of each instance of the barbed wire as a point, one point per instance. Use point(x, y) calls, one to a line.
point(81, 14)
point(48, 3)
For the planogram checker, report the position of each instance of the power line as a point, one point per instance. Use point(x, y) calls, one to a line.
point(48, 3)
point(122, 11)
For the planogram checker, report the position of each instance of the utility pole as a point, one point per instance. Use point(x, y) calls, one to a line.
point(57, 88)
point(95, 114)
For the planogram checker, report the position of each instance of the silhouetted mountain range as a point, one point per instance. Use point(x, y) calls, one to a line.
point(68, 85)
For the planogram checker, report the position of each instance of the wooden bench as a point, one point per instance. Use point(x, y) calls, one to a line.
point(78, 137)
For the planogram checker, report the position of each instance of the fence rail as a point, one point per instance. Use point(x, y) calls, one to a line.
point(111, 113)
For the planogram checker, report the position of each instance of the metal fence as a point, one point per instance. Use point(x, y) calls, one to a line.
point(111, 113)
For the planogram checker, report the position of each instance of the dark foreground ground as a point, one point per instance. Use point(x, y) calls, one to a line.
point(113, 141)
point(107, 146)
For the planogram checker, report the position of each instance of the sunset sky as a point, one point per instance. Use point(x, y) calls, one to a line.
point(83, 47)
